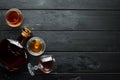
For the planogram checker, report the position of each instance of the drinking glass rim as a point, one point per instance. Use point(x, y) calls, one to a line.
point(17, 11)
point(40, 52)
point(53, 63)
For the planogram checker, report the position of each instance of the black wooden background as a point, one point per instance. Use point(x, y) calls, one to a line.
point(83, 36)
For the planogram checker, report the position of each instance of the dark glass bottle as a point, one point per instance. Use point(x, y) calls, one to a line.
point(12, 53)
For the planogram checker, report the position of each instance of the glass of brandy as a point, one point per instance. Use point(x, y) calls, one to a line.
point(36, 46)
point(45, 64)
point(14, 17)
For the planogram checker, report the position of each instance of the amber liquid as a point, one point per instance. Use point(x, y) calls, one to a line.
point(47, 65)
point(36, 46)
point(12, 56)
point(14, 18)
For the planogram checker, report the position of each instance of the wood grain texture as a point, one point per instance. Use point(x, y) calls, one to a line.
point(66, 77)
point(82, 35)
point(68, 20)
point(60, 4)
point(68, 66)
point(74, 40)
point(83, 62)
point(25, 76)
point(80, 63)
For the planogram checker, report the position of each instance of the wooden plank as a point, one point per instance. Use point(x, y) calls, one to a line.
point(83, 62)
point(68, 20)
point(66, 77)
point(100, 77)
point(80, 62)
point(60, 4)
point(25, 76)
point(62, 76)
point(1, 17)
point(74, 40)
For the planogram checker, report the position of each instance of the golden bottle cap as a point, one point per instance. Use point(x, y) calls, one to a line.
point(26, 32)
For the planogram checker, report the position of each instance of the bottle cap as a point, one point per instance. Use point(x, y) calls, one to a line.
point(26, 32)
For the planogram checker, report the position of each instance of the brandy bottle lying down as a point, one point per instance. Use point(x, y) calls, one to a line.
point(12, 53)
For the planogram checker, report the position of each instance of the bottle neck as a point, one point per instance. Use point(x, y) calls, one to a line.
point(24, 35)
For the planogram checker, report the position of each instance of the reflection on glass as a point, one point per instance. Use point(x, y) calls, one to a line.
point(14, 17)
point(36, 46)
point(45, 64)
